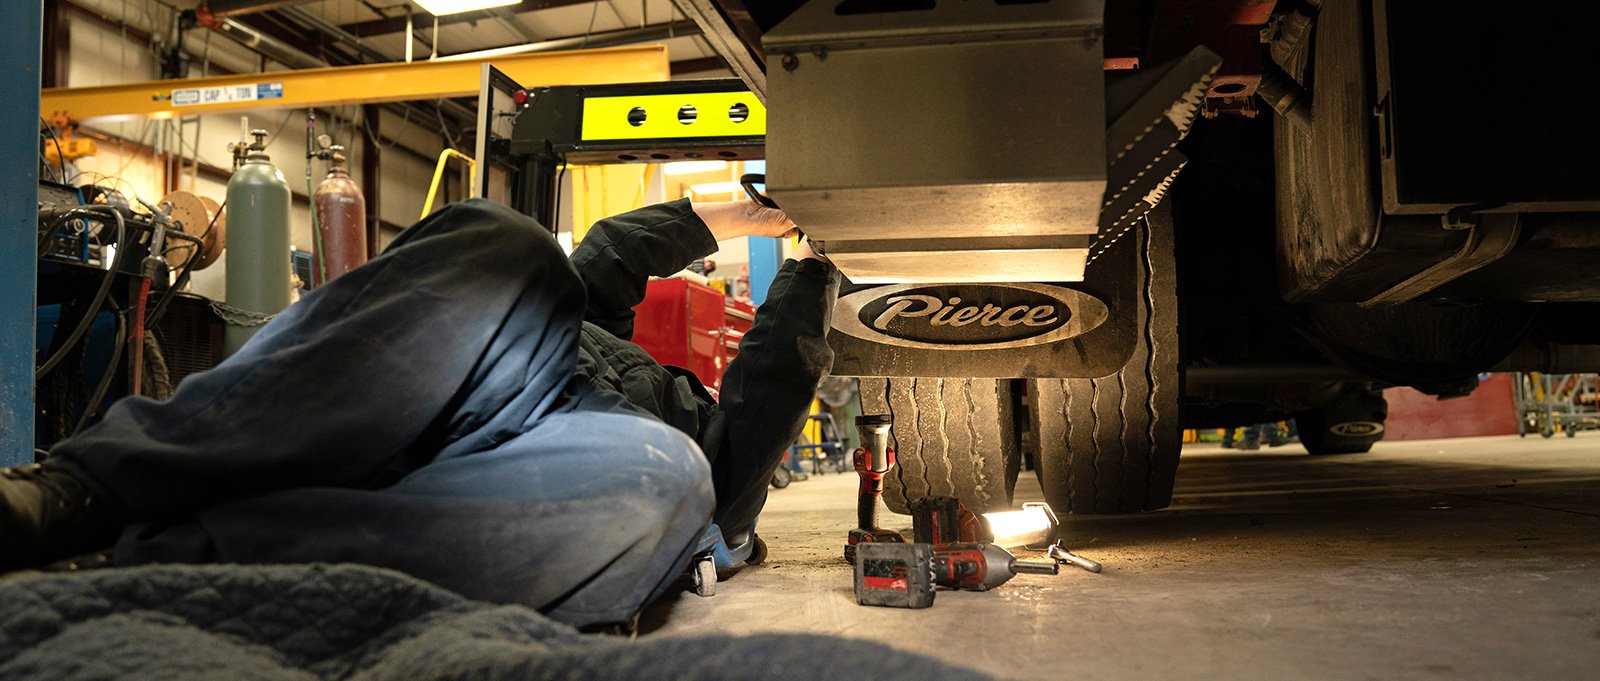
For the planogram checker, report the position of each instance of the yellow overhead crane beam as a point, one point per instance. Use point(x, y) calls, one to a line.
point(366, 84)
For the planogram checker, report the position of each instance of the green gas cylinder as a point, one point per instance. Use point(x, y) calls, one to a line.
point(258, 278)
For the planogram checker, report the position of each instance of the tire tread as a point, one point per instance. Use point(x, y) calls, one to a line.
point(1110, 445)
point(952, 437)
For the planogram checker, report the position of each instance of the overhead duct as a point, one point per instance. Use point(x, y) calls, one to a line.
point(210, 13)
point(628, 36)
point(268, 46)
point(333, 31)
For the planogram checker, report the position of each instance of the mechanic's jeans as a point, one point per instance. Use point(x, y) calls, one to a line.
point(418, 413)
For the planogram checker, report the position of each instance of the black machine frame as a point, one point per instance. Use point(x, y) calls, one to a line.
point(548, 134)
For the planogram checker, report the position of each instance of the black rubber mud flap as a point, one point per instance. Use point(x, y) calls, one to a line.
point(1351, 424)
point(953, 437)
point(1110, 445)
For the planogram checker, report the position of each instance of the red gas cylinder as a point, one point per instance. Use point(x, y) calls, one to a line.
point(341, 222)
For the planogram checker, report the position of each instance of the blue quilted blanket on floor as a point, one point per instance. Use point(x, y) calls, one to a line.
point(349, 622)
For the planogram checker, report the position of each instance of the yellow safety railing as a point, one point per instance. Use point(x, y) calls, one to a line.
point(438, 175)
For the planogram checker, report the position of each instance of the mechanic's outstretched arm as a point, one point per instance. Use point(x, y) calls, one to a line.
point(620, 254)
point(767, 390)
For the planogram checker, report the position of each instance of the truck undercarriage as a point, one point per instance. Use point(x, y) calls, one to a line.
point(1072, 229)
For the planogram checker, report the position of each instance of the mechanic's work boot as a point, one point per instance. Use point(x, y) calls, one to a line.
point(99, 560)
point(47, 515)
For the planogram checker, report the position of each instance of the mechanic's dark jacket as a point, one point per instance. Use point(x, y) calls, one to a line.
point(766, 390)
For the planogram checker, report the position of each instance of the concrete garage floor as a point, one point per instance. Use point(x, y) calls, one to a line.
point(1451, 559)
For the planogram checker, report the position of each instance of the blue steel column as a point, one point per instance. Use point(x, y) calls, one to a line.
point(21, 24)
point(766, 254)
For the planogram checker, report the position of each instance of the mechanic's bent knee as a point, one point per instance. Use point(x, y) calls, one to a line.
point(673, 473)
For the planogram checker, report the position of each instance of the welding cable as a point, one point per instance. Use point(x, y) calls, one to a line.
point(99, 296)
point(154, 263)
point(44, 237)
point(49, 231)
point(160, 307)
point(93, 406)
point(137, 377)
point(555, 215)
point(195, 254)
point(61, 158)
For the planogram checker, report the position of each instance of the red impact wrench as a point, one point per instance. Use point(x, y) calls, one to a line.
point(873, 460)
point(981, 566)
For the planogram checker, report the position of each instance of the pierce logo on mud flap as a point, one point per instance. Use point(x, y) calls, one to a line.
point(968, 316)
point(1356, 429)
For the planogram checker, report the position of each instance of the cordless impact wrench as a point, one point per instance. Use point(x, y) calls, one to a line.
point(962, 558)
point(905, 575)
point(873, 460)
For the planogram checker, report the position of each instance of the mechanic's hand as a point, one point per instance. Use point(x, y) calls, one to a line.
point(804, 251)
point(733, 219)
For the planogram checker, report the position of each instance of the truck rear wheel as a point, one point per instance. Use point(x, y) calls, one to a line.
point(952, 437)
point(1110, 445)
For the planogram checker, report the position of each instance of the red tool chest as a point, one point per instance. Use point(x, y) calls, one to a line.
point(685, 324)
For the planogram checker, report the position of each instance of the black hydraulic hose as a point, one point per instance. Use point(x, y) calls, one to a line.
point(99, 296)
point(93, 406)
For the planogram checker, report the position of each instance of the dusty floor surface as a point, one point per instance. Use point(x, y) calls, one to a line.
point(1459, 559)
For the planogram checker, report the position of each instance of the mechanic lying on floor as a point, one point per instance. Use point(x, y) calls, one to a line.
point(467, 409)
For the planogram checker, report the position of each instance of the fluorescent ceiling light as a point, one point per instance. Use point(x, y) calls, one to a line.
point(440, 8)
point(717, 188)
point(687, 167)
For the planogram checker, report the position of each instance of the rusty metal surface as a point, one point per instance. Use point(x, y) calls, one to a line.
point(342, 224)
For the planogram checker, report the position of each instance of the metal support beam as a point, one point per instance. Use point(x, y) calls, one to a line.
point(699, 65)
point(370, 180)
point(354, 84)
point(21, 24)
point(57, 40)
point(723, 35)
point(293, 42)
